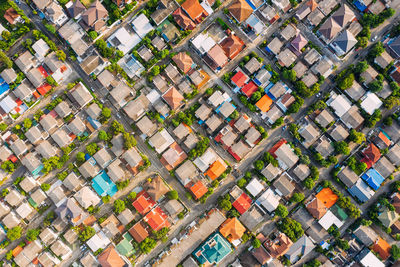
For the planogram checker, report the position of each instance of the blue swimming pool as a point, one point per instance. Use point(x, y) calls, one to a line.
point(4, 87)
point(103, 185)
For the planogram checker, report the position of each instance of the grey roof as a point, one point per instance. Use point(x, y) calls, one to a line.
point(38, 196)
point(173, 207)
point(355, 91)
point(312, 56)
point(9, 75)
point(46, 150)
point(302, 171)
point(31, 162)
point(93, 111)
point(126, 216)
point(25, 61)
point(277, 90)
point(35, 77)
point(117, 145)
point(203, 112)
point(28, 183)
point(61, 138)
point(286, 156)
point(301, 248)
point(106, 78)
point(48, 122)
point(252, 136)
point(324, 118)
point(102, 157)
point(226, 109)
point(115, 171)
point(252, 219)
point(57, 195)
point(181, 131)
point(132, 157)
point(71, 182)
point(18, 147)
point(87, 197)
point(88, 170)
point(366, 235)
point(324, 147)
point(76, 126)
point(270, 172)
point(343, 15)
point(339, 133)
point(384, 167)
point(120, 93)
point(186, 172)
point(213, 122)
point(352, 118)
point(146, 126)
point(136, 108)
point(310, 133)
point(53, 62)
point(63, 109)
point(346, 41)
point(394, 154)
point(48, 236)
point(81, 94)
point(5, 152)
point(23, 91)
point(14, 198)
point(69, 210)
point(252, 65)
point(348, 177)
point(28, 254)
point(284, 185)
point(242, 124)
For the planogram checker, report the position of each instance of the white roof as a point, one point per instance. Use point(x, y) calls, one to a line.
point(153, 96)
point(8, 104)
point(254, 187)
point(41, 48)
point(329, 219)
point(340, 104)
point(370, 260)
point(205, 160)
point(203, 43)
point(371, 102)
point(125, 41)
point(269, 200)
point(24, 210)
point(141, 25)
point(254, 22)
point(2, 29)
point(98, 241)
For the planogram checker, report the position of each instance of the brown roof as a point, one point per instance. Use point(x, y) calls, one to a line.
point(182, 20)
point(11, 15)
point(241, 10)
point(217, 55)
point(279, 246)
point(195, 11)
point(316, 208)
point(138, 232)
point(330, 28)
point(183, 61)
point(232, 46)
point(110, 258)
point(77, 8)
point(396, 202)
point(156, 188)
point(94, 13)
point(173, 98)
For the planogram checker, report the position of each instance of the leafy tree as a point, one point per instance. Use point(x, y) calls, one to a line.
point(32, 234)
point(291, 228)
point(6, 60)
point(241, 183)
point(362, 41)
point(346, 82)
point(356, 137)
point(51, 28)
point(132, 195)
point(61, 55)
point(14, 233)
point(366, 222)
point(295, 106)
point(376, 50)
point(388, 121)
point(225, 204)
point(259, 165)
point(343, 244)
point(129, 141)
point(235, 115)
point(3, 127)
point(50, 80)
point(256, 243)
point(391, 101)
point(395, 251)
point(305, 159)
point(341, 148)
point(92, 148)
point(80, 157)
point(27, 123)
point(117, 127)
point(147, 245)
point(309, 183)
point(173, 194)
point(119, 206)
point(102, 135)
point(277, 123)
point(375, 86)
point(289, 75)
point(93, 34)
point(8, 166)
point(281, 211)
point(255, 97)
point(297, 197)
point(106, 113)
point(87, 233)
point(45, 187)
point(361, 67)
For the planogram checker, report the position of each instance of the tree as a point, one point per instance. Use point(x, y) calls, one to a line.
point(106, 113)
point(259, 165)
point(295, 106)
point(3, 127)
point(241, 183)
point(235, 115)
point(346, 82)
point(119, 206)
point(155, 70)
point(343, 244)
point(6, 60)
point(375, 86)
point(117, 127)
point(376, 50)
point(388, 121)
point(289, 75)
point(357, 137)
point(297, 197)
point(291, 228)
point(281, 211)
point(51, 28)
point(366, 222)
point(225, 204)
point(361, 67)
point(103, 136)
point(61, 55)
point(341, 148)
point(27, 123)
point(173, 194)
point(45, 187)
point(8, 166)
point(132, 195)
point(309, 183)
point(87, 233)
point(255, 97)
point(362, 41)
point(14, 233)
point(32, 234)
point(50, 80)
point(391, 101)
point(256, 243)
point(147, 245)
point(92, 148)
point(395, 251)
point(80, 157)
point(129, 141)
point(93, 34)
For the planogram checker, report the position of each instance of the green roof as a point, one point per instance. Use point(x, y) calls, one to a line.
point(125, 248)
point(339, 212)
point(213, 250)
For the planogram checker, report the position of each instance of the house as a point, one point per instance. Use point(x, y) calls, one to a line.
point(77, 127)
point(309, 79)
point(139, 232)
point(394, 155)
point(145, 53)
point(95, 16)
point(23, 91)
point(161, 141)
point(279, 246)
point(232, 45)
point(11, 220)
point(312, 56)
point(12, 16)
point(25, 61)
point(199, 78)
point(48, 237)
point(110, 258)
point(135, 109)
point(61, 137)
point(348, 177)
point(93, 111)
point(344, 43)
point(88, 169)
point(269, 13)
point(264, 104)
point(45, 149)
point(28, 254)
point(9, 75)
point(72, 182)
point(186, 172)
point(56, 14)
point(355, 91)
point(274, 46)
point(387, 217)
point(173, 207)
point(19, 147)
point(216, 169)
point(384, 167)
point(289, 32)
point(120, 95)
point(156, 188)
point(195, 11)
point(252, 219)
point(369, 75)
point(103, 158)
point(213, 122)
point(106, 78)
point(198, 189)
point(309, 132)
point(306, 9)
point(373, 178)
point(206, 254)
point(284, 185)
point(81, 95)
point(343, 15)
point(126, 216)
point(115, 171)
point(32, 163)
point(382, 60)
point(315, 17)
point(63, 109)
point(299, 42)
point(240, 10)
point(382, 248)
point(301, 248)
point(133, 159)
point(316, 208)
point(284, 154)
point(69, 211)
point(261, 255)
point(361, 190)
point(173, 98)
point(88, 260)
point(324, 67)
point(339, 133)
point(366, 235)
point(302, 171)
point(271, 172)
point(239, 150)
point(131, 66)
point(183, 61)
point(232, 230)
point(352, 118)
point(252, 65)
point(324, 147)
point(324, 118)
point(183, 20)
point(370, 103)
point(157, 219)
point(164, 9)
point(86, 197)
point(117, 145)
point(24, 210)
point(286, 58)
point(371, 155)
point(216, 58)
point(268, 201)
point(368, 259)
point(61, 250)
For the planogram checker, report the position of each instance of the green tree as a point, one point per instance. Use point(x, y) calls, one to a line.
point(388, 121)
point(289, 75)
point(259, 165)
point(8, 166)
point(341, 148)
point(361, 67)
point(80, 157)
point(50, 80)
point(6, 60)
point(241, 183)
point(117, 127)
point(106, 113)
point(235, 115)
point(281, 211)
point(376, 50)
point(14, 233)
point(87, 233)
point(309, 183)
point(346, 82)
point(391, 102)
point(255, 96)
point(225, 204)
point(256, 243)
point(92, 148)
point(147, 245)
point(103, 136)
point(27, 123)
point(357, 137)
point(61, 55)
point(362, 41)
point(45, 187)
point(129, 141)
point(291, 228)
point(50, 28)
point(119, 206)
point(173, 194)
point(32, 234)
point(343, 244)
point(297, 197)
point(366, 222)
point(395, 251)
point(93, 34)
point(132, 195)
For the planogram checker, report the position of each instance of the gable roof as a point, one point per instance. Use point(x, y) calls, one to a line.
point(382, 248)
point(143, 203)
point(242, 203)
point(183, 20)
point(156, 188)
point(343, 15)
point(240, 10)
point(330, 28)
point(198, 189)
point(232, 45)
point(183, 61)
point(94, 13)
point(110, 258)
point(194, 10)
point(139, 232)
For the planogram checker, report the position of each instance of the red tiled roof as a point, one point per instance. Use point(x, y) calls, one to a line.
point(143, 203)
point(157, 219)
point(232, 46)
point(372, 154)
point(44, 89)
point(110, 258)
point(384, 138)
point(195, 11)
point(198, 189)
point(239, 79)
point(182, 20)
point(249, 89)
point(138, 232)
point(242, 203)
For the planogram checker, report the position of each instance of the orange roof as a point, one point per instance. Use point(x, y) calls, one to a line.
point(384, 138)
point(16, 251)
point(316, 208)
point(194, 10)
point(183, 61)
point(157, 219)
point(264, 104)
point(240, 10)
point(327, 197)
point(143, 203)
point(173, 98)
point(138, 232)
point(198, 189)
point(232, 229)
point(382, 248)
point(216, 169)
point(110, 258)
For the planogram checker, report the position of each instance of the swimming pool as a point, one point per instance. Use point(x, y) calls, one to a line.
point(4, 87)
point(103, 185)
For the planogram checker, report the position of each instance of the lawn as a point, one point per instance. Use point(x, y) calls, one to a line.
point(87, 3)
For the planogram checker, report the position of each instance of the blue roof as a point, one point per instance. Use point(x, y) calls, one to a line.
point(103, 185)
point(373, 178)
point(361, 191)
point(360, 5)
point(213, 250)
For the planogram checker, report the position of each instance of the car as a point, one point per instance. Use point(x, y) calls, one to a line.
point(374, 38)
